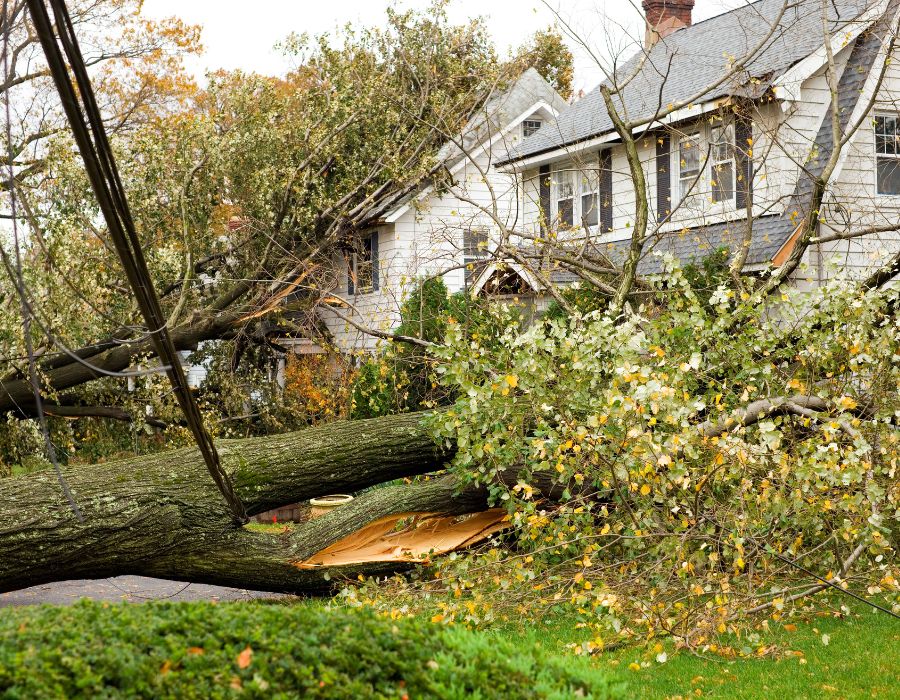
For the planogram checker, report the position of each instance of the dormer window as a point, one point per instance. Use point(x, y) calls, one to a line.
point(529, 126)
point(706, 168)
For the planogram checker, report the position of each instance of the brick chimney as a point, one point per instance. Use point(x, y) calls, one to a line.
point(665, 17)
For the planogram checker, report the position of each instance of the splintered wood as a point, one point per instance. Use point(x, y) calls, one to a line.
point(409, 537)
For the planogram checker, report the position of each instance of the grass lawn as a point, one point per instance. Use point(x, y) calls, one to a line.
point(861, 660)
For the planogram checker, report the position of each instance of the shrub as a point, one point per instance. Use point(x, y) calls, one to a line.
point(401, 377)
point(198, 650)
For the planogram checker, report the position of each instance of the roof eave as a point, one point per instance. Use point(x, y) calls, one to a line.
point(555, 153)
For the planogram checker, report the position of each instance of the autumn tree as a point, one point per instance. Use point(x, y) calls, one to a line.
point(546, 51)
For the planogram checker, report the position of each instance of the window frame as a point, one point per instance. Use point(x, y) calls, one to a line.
point(694, 180)
point(472, 256)
point(592, 177)
point(556, 198)
point(703, 198)
point(363, 245)
point(530, 124)
point(715, 161)
point(895, 156)
point(577, 179)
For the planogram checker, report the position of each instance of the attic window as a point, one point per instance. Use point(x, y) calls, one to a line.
point(529, 126)
point(887, 152)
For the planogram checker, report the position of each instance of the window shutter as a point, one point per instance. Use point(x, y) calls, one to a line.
point(375, 261)
point(544, 185)
point(351, 288)
point(663, 177)
point(606, 213)
point(743, 142)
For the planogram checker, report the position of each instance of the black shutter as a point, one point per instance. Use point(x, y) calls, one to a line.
point(544, 185)
point(351, 288)
point(606, 213)
point(663, 177)
point(743, 156)
point(375, 261)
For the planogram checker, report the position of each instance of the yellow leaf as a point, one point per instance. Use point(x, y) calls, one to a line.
point(634, 666)
point(245, 658)
point(512, 380)
point(847, 403)
point(645, 489)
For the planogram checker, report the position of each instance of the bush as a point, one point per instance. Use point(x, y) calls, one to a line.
point(401, 377)
point(198, 650)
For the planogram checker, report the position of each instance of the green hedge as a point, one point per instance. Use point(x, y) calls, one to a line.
point(200, 650)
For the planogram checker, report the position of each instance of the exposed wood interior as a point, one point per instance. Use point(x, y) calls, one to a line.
point(409, 537)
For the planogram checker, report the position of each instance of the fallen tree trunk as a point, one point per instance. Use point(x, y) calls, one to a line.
point(160, 515)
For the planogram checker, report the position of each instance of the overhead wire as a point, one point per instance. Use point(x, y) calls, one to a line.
point(86, 122)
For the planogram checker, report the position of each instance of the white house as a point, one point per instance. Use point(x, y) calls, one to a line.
point(443, 233)
point(751, 133)
point(754, 142)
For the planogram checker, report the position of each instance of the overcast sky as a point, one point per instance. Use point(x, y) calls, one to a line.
point(243, 35)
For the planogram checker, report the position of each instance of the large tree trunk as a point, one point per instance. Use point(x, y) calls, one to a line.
point(161, 515)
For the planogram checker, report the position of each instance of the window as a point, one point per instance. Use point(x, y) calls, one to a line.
point(698, 187)
point(576, 198)
point(529, 126)
point(564, 186)
point(688, 168)
point(721, 174)
point(887, 155)
point(363, 265)
point(475, 243)
point(590, 200)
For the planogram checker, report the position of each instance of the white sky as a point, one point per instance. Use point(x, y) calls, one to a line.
point(243, 35)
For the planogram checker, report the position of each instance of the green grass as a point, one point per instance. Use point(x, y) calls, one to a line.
point(861, 660)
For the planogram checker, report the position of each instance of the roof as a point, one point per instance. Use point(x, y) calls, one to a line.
point(501, 108)
point(692, 245)
point(684, 63)
point(498, 111)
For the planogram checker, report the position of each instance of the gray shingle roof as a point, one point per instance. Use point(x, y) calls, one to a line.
point(687, 61)
point(694, 244)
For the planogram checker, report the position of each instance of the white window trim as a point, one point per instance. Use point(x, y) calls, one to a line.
point(354, 269)
point(877, 155)
point(702, 187)
point(715, 162)
point(577, 176)
point(539, 121)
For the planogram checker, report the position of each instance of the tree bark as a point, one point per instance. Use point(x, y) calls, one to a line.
point(161, 515)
